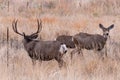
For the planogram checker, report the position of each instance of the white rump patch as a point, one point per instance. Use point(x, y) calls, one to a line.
point(63, 48)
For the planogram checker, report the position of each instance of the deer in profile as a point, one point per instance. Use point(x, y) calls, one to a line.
point(91, 41)
point(39, 49)
point(67, 40)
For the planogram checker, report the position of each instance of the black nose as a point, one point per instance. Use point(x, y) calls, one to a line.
point(107, 34)
point(65, 51)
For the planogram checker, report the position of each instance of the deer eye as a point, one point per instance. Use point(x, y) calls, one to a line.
point(107, 34)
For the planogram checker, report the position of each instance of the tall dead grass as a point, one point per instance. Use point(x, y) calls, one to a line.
point(87, 68)
point(60, 7)
point(59, 17)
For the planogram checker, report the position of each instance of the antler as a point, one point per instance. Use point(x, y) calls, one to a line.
point(14, 25)
point(39, 26)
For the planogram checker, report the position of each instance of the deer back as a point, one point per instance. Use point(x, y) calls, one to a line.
point(89, 41)
point(66, 40)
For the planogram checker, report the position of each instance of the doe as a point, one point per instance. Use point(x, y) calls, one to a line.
point(91, 41)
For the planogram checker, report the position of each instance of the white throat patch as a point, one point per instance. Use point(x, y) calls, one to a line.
point(63, 48)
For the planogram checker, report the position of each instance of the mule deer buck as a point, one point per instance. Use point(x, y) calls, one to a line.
point(67, 40)
point(41, 50)
point(91, 41)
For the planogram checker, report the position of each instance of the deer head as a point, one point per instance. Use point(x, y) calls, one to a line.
point(27, 37)
point(106, 30)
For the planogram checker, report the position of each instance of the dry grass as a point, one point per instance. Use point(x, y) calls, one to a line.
point(63, 19)
point(89, 68)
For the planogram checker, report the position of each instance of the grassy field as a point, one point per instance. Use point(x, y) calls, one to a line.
point(58, 17)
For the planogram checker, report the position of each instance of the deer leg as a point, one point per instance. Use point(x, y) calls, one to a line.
point(73, 52)
point(60, 61)
point(33, 62)
point(99, 54)
point(105, 51)
point(104, 55)
point(40, 62)
point(80, 51)
point(76, 46)
point(39, 59)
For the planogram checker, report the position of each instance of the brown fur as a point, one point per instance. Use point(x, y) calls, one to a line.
point(66, 40)
point(41, 50)
point(91, 41)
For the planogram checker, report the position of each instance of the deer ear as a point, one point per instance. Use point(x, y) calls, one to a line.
point(34, 36)
point(101, 26)
point(24, 34)
point(110, 27)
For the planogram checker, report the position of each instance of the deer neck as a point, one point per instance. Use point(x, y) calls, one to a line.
point(106, 37)
point(25, 41)
point(26, 44)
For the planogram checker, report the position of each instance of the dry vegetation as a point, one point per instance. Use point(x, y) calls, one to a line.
point(59, 17)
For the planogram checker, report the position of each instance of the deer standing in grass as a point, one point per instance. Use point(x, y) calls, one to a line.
point(91, 41)
point(41, 50)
